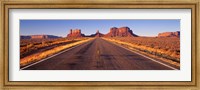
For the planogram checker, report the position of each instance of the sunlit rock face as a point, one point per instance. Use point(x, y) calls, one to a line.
point(75, 33)
point(169, 34)
point(120, 32)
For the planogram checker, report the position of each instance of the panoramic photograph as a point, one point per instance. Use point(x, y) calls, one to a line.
point(114, 44)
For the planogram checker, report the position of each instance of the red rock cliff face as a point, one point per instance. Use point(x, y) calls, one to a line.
point(75, 33)
point(120, 32)
point(169, 34)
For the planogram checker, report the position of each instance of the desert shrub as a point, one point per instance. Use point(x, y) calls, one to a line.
point(31, 45)
point(166, 47)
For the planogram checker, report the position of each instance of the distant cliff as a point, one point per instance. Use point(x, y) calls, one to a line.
point(120, 32)
point(97, 34)
point(25, 37)
point(75, 33)
point(113, 32)
point(169, 34)
point(38, 37)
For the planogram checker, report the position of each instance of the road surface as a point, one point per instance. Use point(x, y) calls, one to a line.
point(98, 54)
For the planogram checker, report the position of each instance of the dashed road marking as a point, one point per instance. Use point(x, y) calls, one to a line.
point(50, 57)
point(148, 57)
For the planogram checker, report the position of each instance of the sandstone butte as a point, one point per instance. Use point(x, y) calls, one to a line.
point(120, 32)
point(169, 34)
point(114, 32)
point(75, 33)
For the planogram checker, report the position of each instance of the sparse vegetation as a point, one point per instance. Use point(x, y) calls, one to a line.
point(31, 46)
point(39, 49)
point(166, 47)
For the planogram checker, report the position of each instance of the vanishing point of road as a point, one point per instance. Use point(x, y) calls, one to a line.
point(98, 54)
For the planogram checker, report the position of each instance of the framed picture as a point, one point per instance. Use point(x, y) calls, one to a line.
point(100, 44)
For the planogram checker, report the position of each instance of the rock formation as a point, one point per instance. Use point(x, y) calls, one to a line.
point(75, 33)
point(38, 37)
point(120, 32)
point(169, 34)
point(43, 36)
point(97, 34)
point(25, 37)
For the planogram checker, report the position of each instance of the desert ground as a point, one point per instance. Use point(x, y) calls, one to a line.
point(120, 49)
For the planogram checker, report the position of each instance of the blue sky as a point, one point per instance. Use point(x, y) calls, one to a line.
point(62, 27)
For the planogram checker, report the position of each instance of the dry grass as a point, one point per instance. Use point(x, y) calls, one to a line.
point(167, 48)
point(30, 46)
point(38, 56)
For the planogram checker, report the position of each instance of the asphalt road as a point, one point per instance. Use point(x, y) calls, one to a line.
point(98, 54)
